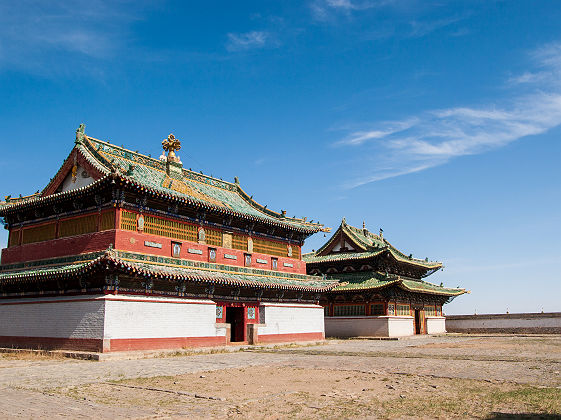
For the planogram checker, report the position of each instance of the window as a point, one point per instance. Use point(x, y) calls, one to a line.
point(430, 311)
point(161, 227)
point(39, 233)
point(212, 255)
point(107, 220)
point(326, 310)
point(213, 237)
point(176, 249)
point(248, 260)
point(77, 226)
point(403, 310)
point(348, 310)
point(377, 309)
point(391, 309)
point(13, 238)
point(128, 220)
point(274, 263)
point(239, 242)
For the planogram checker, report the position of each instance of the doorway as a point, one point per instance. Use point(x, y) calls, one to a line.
point(235, 317)
point(417, 321)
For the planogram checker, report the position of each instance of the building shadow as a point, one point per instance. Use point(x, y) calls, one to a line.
point(529, 416)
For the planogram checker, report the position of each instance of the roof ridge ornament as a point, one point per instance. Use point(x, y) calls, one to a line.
point(173, 163)
point(80, 133)
point(171, 145)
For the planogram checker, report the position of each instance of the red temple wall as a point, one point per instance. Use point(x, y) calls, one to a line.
point(71, 245)
point(135, 242)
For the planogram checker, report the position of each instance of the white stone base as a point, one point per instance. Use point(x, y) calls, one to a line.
point(126, 322)
point(436, 324)
point(369, 326)
point(290, 322)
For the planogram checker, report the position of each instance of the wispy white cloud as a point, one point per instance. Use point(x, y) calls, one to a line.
point(437, 136)
point(324, 10)
point(247, 41)
point(420, 28)
point(359, 137)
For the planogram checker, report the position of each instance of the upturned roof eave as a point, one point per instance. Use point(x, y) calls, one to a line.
point(433, 290)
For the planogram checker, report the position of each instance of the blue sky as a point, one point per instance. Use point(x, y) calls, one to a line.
point(437, 121)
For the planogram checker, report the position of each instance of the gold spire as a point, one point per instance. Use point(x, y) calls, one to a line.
point(170, 145)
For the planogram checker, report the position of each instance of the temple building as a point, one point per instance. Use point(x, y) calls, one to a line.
point(381, 291)
point(122, 251)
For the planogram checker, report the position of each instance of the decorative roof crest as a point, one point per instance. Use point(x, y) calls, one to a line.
point(80, 133)
point(171, 145)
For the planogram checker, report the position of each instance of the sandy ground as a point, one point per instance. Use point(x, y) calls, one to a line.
point(428, 377)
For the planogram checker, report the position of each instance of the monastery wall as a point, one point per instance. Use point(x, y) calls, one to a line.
point(529, 323)
point(55, 322)
point(290, 322)
point(143, 322)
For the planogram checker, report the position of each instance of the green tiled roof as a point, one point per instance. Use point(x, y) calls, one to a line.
point(369, 245)
point(161, 267)
point(150, 175)
point(370, 280)
point(311, 257)
point(361, 280)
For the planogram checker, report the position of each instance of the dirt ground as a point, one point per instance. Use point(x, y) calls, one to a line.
point(429, 377)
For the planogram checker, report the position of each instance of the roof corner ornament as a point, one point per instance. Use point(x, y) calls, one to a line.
point(236, 180)
point(171, 145)
point(381, 233)
point(80, 133)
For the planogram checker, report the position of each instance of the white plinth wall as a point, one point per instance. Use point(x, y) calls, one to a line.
point(379, 326)
point(121, 322)
point(436, 324)
point(290, 322)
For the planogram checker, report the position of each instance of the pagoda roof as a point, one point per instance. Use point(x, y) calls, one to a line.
point(371, 280)
point(366, 245)
point(148, 175)
point(152, 266)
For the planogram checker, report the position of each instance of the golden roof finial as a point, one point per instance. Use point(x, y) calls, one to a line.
point(170, 145)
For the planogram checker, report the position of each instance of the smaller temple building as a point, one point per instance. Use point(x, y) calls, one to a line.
point(381, 291)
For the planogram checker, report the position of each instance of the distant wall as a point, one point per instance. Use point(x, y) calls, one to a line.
point(530, 323)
